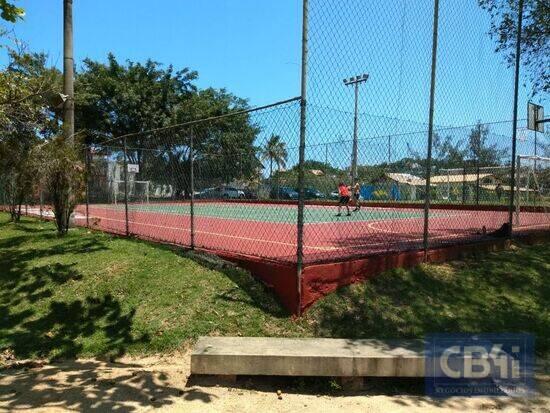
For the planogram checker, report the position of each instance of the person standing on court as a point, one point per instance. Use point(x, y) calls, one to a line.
point(344, 193)
point(356, 195)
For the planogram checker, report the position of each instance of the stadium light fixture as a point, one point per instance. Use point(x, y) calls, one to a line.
point(356, 79)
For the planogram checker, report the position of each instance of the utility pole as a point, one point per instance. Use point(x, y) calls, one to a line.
point(68, 71)
point(355, 81)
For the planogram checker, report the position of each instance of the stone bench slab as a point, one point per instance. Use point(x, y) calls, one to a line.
point(264, 356)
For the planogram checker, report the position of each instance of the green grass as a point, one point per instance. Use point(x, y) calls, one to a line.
point(91, 294)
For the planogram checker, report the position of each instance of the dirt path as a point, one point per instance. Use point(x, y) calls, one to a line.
point(132, 385)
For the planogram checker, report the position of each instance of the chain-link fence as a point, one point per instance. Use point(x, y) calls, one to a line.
point(410, 139)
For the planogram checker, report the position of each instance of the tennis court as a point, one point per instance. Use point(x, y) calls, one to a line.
point(268, 230)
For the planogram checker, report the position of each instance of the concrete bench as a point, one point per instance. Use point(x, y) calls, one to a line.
point(263, 356)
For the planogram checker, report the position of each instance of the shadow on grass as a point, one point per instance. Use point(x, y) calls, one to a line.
point(33, 325)
point(59, 332)
point(505, 292)
point(256, 294)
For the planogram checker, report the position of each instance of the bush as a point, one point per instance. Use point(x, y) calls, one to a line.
point(61, 172)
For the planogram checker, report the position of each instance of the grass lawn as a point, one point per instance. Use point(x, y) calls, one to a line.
point(91, 294)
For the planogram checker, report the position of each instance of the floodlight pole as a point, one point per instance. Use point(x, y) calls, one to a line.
point(355, 81)
point(354, 149)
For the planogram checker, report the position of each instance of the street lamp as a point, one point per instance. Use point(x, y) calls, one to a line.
point(355, 81)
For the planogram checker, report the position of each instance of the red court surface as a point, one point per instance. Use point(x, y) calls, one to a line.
point(334, 240)
point(337, 250)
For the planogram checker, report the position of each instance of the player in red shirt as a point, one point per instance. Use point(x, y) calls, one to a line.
point(344, 193)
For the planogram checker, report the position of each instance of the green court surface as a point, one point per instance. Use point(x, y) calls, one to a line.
point(277, 213)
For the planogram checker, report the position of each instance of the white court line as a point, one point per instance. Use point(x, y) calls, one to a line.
point(289, 244)
point(372, 226)
point(374, 221)
point(279, 242)
point(376, 244)
point(326, 248)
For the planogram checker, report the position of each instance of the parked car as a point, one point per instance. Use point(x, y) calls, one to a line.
point(250, 194)
point(334, 195)
point(312, 193)
point(283, 192)
point(221, 192)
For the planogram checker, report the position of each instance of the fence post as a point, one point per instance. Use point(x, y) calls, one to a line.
point(126, 188)
point(517, 190)
point(88, 174)
point(192, 185)
point(430, 130)
point(463, 184)
point(41, 195)
point(515, 119)
point(477, 184)
point(303, 108)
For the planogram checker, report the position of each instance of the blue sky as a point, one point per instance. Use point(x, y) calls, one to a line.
point(252, 48)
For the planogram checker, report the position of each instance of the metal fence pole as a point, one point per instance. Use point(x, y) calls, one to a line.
point(517, 190)
point(192, 190)
point(88, 174)
point(515, 119)
point(535, 167)
point(430, 130)
point(303, 108)
point(463, 184)
point(41, 195)
point(477, 185)
point(126, 188)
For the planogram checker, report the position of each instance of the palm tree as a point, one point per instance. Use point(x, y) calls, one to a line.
point(274, 151)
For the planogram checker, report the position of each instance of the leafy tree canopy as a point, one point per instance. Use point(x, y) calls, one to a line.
point(10, 12)
point(535, 51)
point(26, 85)
point(114, 99)
point(149, 101)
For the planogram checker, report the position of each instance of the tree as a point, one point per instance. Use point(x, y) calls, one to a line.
point(147, 101)
point(59, 165)
point(480, 150)
point(10, 12)
point(26, 85)
point(114, 99)
point(535, 42)
point(275, 151)
point(223, 147)
point(448, 154)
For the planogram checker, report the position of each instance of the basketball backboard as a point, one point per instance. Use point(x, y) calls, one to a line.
point(535, 114)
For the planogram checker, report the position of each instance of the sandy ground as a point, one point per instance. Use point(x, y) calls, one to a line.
point(163, 383)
